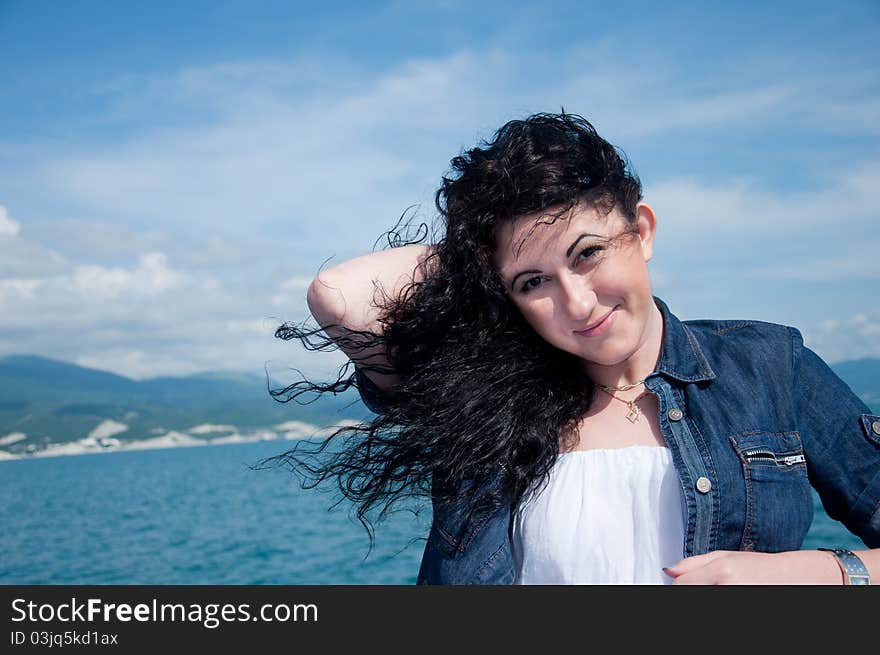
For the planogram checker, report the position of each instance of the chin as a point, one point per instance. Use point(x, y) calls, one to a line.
point(606, 361)
point(607, 357)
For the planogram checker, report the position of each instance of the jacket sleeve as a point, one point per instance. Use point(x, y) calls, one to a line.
point(841, 438)
point(370, 393)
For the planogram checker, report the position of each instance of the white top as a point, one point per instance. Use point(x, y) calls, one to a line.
point(606, 516)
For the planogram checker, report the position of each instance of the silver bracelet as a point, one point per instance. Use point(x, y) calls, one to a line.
point(854, 569)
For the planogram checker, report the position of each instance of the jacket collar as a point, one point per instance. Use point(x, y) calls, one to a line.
point(681, 357)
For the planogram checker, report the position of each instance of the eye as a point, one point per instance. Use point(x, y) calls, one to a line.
point(589, 252)
point(531, 283)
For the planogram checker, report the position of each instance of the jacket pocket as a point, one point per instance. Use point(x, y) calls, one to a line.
point(444, 540)
point(439, 562)
point(779, 505)
point(479, 555)
point(454, 528)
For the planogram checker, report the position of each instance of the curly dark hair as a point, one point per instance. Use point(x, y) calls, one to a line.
point(481, 396)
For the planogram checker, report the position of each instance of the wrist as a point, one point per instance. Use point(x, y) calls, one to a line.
point(837, 574)
point(808, 567)
point(855, 572)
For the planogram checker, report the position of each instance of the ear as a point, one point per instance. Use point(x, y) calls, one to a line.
point(647, 223)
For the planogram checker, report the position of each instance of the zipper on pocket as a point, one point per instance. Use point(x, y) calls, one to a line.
point(762, 455)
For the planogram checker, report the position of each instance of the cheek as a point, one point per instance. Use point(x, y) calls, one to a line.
point(629, 278)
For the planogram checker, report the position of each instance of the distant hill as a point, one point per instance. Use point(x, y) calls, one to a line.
point(50, 401)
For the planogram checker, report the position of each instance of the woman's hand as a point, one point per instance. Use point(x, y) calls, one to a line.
point(745, 567)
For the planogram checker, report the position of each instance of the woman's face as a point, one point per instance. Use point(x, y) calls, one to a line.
point(581, 281)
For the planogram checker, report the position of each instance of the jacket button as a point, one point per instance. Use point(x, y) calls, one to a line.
point(875, 426)
point(675, 414)
point(703, 485)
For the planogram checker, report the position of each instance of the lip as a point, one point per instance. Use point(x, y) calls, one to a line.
point(599, 327)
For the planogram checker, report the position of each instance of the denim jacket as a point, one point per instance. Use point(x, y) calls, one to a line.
point(751, 417)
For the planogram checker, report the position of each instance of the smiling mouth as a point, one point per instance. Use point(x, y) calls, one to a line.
point(599, 323)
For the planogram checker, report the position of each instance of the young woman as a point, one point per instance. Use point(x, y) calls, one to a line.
point(568, 428)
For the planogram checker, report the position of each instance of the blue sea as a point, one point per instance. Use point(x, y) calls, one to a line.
point(202, 516)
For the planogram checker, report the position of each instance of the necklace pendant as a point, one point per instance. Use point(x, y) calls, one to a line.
point(633, 414)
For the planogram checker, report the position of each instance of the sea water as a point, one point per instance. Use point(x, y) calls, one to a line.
point(202, 515)
point(198, 515)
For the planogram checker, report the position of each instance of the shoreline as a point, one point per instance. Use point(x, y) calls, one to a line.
point(175, 439)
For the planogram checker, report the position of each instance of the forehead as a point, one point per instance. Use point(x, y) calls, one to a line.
point(528, 238)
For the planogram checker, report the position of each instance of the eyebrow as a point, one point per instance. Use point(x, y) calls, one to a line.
point(567, 254)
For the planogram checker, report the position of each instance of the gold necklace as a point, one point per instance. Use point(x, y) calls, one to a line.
point(625, 387)
point(634, 412)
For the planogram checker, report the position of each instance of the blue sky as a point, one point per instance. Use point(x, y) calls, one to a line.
point(171, 177)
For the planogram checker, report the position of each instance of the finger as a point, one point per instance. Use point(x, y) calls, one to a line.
point(700, 576)
point(694, 562)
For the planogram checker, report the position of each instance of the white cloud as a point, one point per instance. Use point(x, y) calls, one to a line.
point(292, 291)
point(17, 287)
point(296, 283)
point(20, 258)
point(747, 204)
point(8, 227)
point(93, 240)
point(798, 234)
point(261, 326)
point(850, 337)
point(151, 277)
point(660, 102)
point(856, 260)
point(149, 316)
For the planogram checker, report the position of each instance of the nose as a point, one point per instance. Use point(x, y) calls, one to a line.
point(577, 297)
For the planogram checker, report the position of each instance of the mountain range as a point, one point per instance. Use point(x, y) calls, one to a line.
point(46, 402)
